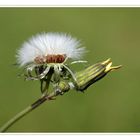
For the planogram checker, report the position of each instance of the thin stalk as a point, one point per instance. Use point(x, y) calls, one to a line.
point(26, 111)
point(45, 96)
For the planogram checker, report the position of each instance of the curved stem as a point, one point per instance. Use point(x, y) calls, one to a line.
point(45, 97)
point(26, 111)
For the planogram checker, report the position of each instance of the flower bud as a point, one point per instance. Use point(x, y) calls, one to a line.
point(93, 73)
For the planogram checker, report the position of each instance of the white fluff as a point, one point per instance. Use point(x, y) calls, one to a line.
point(49, 43)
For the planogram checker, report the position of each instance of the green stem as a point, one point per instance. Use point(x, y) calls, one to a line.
point(26, 111)
point(37, 103)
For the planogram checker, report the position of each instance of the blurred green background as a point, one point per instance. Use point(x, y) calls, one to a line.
point(110, 105)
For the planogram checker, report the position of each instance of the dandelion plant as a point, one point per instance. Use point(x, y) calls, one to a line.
point(47, 57)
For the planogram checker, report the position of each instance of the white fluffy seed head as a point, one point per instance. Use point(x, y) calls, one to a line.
point(49, 43)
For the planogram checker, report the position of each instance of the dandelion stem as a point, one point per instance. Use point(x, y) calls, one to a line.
point(27, 110)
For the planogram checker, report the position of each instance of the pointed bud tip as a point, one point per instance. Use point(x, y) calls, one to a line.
point(108, 64)
point(115, 67)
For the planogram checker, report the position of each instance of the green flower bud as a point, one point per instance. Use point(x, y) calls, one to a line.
point(93, 73)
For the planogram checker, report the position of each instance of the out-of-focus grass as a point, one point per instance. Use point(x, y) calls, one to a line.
point(110, 105)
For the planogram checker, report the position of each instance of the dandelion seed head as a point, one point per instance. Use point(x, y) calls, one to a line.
point(49, 47)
